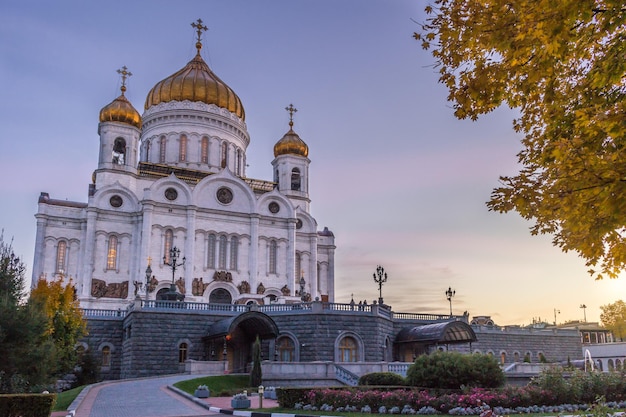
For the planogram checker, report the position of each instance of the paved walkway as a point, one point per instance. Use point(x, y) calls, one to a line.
point(149, 397)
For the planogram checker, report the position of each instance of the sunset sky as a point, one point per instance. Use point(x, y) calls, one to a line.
point(394, 175)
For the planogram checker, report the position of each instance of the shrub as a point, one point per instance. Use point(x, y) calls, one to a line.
point(452, 370)
point(382, 379)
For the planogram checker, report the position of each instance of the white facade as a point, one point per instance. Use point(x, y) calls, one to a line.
point(177, 179)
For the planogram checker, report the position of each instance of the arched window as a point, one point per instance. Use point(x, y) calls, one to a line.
point(61, 257)
point(119, 151)
point(618, 364)
point(204, 150)
point(182, 352)
point(276, 177)
point(611, 365)
point(273, 252)
point(224, 154)
point(348, 350)
point(234, 247)
point(502, 358)
point(182, 149)
point(106, 356)
point(286, 350)
point(112, 253)
point(167, 245)
point(516, 357)
point(220, 296)
point(238, 162)
point(222, 255)
point(299, 271)
point(148, 151)
point(211, 251)
point(295, 179)
point(162, 145)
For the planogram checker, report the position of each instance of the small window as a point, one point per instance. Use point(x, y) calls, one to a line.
point(167, 245)
point(61, 257)
point(182, 352)
point(204, 150)
point(273, 253)
point(234, 247)
point(299, 271)
point(503, 358)
point(295, 179)
point(211, 251)
point(182, 149)
point(224, 154)
point(348, 350)
point(119, 151)
point(106, 356)
point(286, 350)
point(162, 146)
point(112, 253)
point(222, 254)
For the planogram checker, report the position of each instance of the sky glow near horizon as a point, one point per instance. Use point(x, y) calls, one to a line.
point(394, 175)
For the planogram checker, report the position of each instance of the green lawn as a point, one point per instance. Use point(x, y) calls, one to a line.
point(65, 398)
point(218, 385)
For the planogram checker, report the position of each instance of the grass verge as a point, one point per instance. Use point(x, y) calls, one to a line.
point(222, 385)
point(65, 398)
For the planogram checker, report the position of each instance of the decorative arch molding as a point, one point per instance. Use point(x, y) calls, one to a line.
point(296, 346)
point(130, 201)
point(244, 199)
point(286, 207)
point(228, 286)
point(157, 191)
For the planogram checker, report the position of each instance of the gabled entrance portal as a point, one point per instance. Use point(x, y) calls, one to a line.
point(231, 339)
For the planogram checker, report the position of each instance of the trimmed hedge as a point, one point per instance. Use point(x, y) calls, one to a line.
point(382, 379)
point(26, 405)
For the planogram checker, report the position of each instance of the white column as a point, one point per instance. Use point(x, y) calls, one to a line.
point(190, 244)
point(313, 267)
point(253, 256)
point(88, 257)
point(42, 223)
point(292, 274)
point(146, 238)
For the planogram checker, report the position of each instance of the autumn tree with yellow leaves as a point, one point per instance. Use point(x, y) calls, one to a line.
point(66, 324)
point(613, 317)
point(562, 66)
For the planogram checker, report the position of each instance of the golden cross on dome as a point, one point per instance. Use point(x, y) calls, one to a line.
point(199, 28)
point(291, 111)
point(149, 260)
point(125, 74)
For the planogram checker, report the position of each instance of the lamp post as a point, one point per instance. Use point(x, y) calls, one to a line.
point(380, 277)
point(584, 307)
point(449, 294)
point(172, 294)
point(555, 313)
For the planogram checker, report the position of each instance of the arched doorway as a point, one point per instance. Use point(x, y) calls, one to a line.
point(235, 336)
point(220, 296)
point(418, 340)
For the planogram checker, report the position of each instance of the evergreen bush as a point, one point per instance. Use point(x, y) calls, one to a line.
point(382, 379)
point(453, 370)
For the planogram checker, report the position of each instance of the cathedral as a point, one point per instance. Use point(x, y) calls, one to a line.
point(171, 214)
point(180, 261)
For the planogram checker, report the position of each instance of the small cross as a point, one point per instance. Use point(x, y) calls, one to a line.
point(291, 111)
point(125, 74)
point(199, 28)
point(149, 260)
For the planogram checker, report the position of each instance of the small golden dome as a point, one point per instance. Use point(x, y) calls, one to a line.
point(196, 82)
point(120, 110)
point(291, 144)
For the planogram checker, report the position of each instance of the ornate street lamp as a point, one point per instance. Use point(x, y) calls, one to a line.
point(449, 294)
point(172, 294)
point(584, 307)
point(380, 277)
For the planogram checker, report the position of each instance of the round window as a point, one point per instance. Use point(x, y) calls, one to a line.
point(116, 201)
point(274, 207)
point(171, 194)
point(224, 195)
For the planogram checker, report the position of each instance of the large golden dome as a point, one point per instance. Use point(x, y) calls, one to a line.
point(196, 82)
point(120, 110)
point(291, 144)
